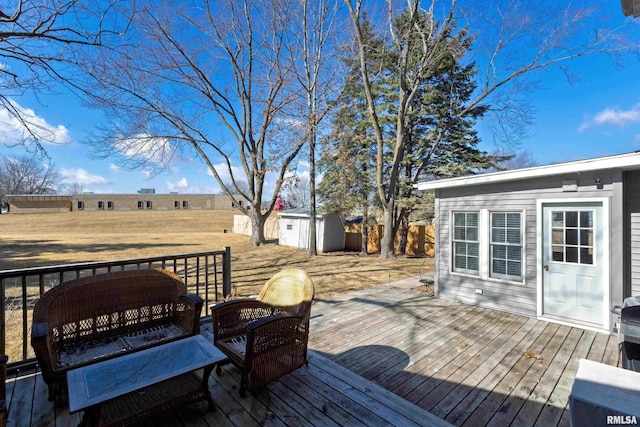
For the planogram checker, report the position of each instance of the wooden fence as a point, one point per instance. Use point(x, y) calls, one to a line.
point(421, 239)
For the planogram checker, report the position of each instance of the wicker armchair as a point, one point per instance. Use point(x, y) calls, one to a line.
point(3, 391)
point(266, 337)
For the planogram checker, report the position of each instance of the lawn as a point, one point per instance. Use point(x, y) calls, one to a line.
point(30, 240)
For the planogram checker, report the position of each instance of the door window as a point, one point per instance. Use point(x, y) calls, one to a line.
point(572, 236)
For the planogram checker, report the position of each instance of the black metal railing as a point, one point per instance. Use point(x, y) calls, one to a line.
point(207, 274)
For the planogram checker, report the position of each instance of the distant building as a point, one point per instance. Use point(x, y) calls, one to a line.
point(119, 202)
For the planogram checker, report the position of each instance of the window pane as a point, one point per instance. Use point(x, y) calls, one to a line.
point(499, 251)
point(473, 249)
point(460, 248)
point(586, 256)
point(586, 237)
point(571, 237)
point(459, 233)
point(499, 266)
point(472, 219)
point(473, 264)
point(572, 254)
point(514, 268)
point(557, 253)
point(513, 236)
point(513, 220)
point(460, 262)
point(472, 234)
point(557, 237)
point(557, 219)
point(498, 235)
point(459, 219)
point(514, 253)
point(498, 220)
point(586, 219)
point(571, 218)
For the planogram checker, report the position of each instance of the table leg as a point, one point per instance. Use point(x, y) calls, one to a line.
point(205, 386)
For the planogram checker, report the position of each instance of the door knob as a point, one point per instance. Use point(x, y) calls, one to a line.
point(546, 267)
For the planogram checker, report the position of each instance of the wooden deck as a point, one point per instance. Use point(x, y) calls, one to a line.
point(386, 356)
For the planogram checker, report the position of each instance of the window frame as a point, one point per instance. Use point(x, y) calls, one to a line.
point(100, 205)
point(492, 244)
point(477, 242)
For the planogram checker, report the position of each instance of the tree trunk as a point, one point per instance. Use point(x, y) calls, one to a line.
point(257, 226)
point(364, 250)
point(404, 233)
point(386, 244)
point(312, 189)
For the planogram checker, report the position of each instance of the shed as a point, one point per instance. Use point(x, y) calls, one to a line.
point(294, 230)
point(558, 242)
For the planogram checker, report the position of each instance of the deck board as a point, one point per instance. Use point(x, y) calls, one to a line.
point(389, 355)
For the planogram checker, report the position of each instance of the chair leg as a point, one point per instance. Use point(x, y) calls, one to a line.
point(219, 366)
point(243, 385)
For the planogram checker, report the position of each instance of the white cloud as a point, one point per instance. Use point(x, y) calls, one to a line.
point(115, 168)
point(178, 185)
point(81, 176)
point(145, 146)
point(223, 172)
point(14, 131)
point(613, 116)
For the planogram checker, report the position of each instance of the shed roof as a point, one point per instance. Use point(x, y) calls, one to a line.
point(626, 161)
point(303, 212)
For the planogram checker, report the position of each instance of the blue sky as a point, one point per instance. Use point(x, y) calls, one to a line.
point(596, 116)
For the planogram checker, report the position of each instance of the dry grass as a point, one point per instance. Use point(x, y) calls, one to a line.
point(32, 240)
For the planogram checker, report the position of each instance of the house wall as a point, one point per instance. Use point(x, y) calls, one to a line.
point(519, 298)
point(632, 208)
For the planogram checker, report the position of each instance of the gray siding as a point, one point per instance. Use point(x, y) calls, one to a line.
point(519, 298)
point(632, 197)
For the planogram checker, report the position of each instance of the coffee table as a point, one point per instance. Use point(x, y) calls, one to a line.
point(126, 388)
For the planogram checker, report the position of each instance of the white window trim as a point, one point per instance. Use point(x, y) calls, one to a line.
point(484, 240)
point(506, 278)
point(452, 242)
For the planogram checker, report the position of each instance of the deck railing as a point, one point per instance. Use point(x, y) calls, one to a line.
point(207, 274)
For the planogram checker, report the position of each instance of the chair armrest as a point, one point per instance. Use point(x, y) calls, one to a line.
point(274, 332)
point(230, 318)
point(189, 311)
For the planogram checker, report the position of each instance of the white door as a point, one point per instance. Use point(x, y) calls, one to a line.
point(573, 283)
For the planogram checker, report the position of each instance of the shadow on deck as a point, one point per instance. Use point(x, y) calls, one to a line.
point(390, 356)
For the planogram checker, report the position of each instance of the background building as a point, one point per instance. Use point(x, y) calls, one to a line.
point(118, 202)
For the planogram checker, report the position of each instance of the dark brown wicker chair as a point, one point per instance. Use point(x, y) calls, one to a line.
point(266, 337)
point(3, 391)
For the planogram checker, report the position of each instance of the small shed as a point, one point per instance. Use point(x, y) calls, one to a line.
point(294, 230)
point(557, 242)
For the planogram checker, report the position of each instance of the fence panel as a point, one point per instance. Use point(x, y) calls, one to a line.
point(207, 274)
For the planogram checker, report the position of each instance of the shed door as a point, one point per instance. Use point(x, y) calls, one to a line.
point(573, 285)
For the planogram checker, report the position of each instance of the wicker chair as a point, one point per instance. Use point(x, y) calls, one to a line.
point(266, 337)
point(3, 391)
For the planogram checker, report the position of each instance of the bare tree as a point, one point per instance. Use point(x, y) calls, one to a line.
point(297, 191)
point(317, 73)
point(73, 188)
point(39, 42)
point(519, 39)
point(207, 79)
point(27, 175)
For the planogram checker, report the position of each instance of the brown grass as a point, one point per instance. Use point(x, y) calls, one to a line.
point(31, 240)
